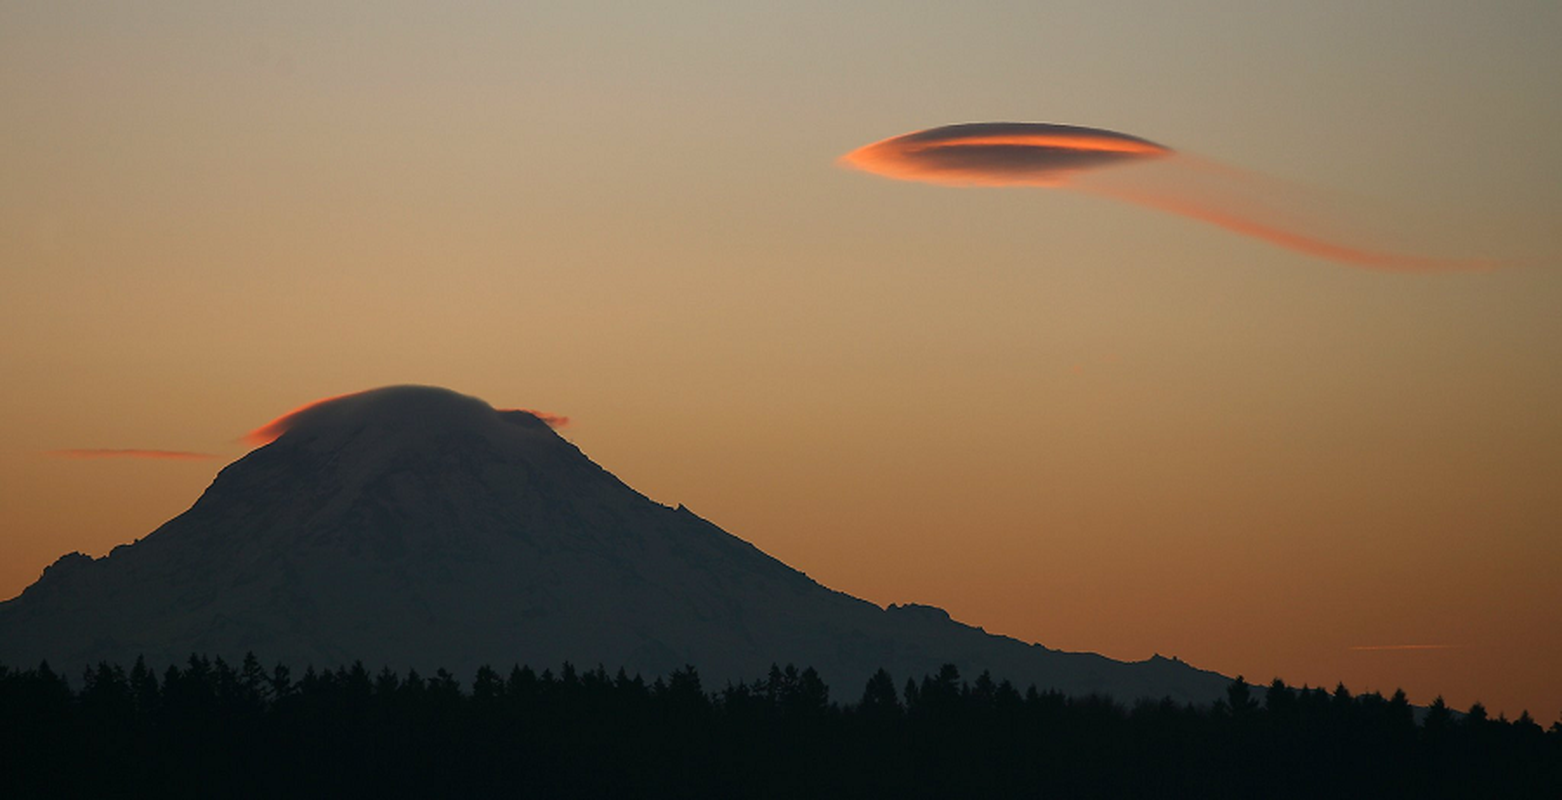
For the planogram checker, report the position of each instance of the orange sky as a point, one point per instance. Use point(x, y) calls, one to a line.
point(1062, 418)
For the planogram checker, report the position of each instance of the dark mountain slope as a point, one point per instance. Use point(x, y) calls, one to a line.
point(416, 527)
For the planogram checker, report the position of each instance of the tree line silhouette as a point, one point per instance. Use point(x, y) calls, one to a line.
point(209, 728)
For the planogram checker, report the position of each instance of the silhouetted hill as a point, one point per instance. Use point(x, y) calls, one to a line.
point(419, 528)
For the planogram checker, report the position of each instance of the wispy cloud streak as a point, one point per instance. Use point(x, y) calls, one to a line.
point(99, 452)
point(1405, 647)
point(554, 421)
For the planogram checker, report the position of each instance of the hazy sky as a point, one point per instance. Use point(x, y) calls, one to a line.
point(1071, 420)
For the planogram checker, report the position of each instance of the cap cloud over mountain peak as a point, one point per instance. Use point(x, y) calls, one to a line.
point(432, 432)
point(406, 411)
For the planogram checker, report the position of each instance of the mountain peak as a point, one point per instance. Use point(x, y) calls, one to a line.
point(416, 526)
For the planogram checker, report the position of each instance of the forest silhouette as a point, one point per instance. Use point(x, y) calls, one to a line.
point(209, 728)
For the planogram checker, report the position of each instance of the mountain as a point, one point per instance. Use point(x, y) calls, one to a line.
point(417, 527)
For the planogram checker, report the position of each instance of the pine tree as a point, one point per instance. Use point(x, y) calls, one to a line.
point(879, 700)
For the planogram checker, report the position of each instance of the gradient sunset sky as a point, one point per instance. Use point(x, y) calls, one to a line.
point(1063, 418)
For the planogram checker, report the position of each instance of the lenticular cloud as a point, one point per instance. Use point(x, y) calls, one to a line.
point(1000, 154)
point(1137, 170)
point(408, 401)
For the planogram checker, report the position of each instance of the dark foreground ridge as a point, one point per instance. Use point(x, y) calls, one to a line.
point(420, 528)
point(209, 729)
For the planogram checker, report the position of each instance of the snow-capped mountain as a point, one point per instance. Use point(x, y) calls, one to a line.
point(417, 527)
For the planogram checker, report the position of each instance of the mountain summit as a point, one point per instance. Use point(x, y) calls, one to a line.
point(413, 526)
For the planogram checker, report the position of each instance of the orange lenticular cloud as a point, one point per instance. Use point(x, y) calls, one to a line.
point(1097, 161)
point(164, 455)
point(999, 154)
